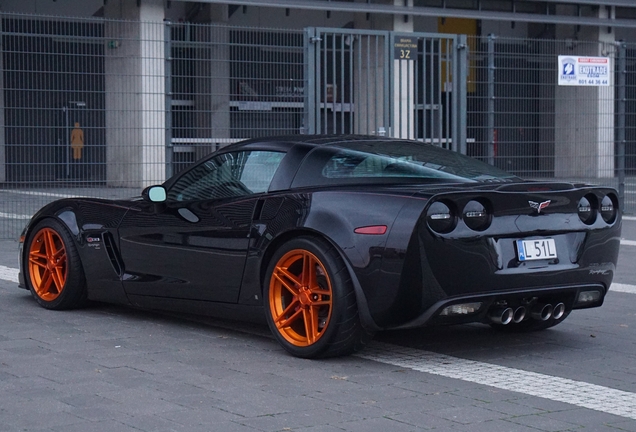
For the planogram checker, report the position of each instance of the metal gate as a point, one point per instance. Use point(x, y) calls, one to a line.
point(405, 85)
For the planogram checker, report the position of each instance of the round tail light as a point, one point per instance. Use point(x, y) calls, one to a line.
point(609, 208)
point(476, 216)
point(441, 217)
point(587, 209)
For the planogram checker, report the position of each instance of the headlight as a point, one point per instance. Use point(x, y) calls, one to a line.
point(476, 216)
point(441, 218)
point(587, 209)
point(609, 208)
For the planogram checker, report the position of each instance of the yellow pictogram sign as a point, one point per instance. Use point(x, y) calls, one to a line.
point(77, 141)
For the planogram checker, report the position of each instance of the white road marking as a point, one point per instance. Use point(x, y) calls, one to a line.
point(625, 288)
point(14, 216)
point(628, 242)
point(629, 218)
point(46, 194)
point(579, 393)
point(9, 274)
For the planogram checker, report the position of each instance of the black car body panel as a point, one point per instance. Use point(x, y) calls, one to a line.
point(211, 255)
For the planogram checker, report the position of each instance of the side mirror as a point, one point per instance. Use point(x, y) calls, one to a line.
point(155, 194)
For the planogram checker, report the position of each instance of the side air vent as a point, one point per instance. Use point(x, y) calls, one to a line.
point(113, 255)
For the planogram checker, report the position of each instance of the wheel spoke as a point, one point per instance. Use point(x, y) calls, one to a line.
point(284, 276)
point(287, 310)
point(309, 271)
point(60, 255)
point(321, 303)
point(49, 244)
point(45, 283)
point(282, 321)
point(37, 260)
point(58, 278)
point(311, 324)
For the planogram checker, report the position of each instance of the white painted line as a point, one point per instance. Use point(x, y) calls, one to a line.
point(579, 393)
point(628, 242)
point(14, 216)
point(624, 288)
point(629, 218)
point(9, 274)
point(45, 194)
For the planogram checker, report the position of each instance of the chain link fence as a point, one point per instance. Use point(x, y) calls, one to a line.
point(103, 108)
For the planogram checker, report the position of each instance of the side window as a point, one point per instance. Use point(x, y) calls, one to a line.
point(227, 175)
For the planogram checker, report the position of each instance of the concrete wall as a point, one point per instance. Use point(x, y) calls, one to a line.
point(584, 116)
point(135, 94)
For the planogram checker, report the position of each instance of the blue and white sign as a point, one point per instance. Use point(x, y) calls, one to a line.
point(584, 71)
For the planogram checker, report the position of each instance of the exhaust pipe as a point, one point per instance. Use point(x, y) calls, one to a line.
point(501, 315)
point(558, 311)
point(519, 315)
point(542, 312)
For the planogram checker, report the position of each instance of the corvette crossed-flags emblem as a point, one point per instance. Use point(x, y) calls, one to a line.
point(539, 206)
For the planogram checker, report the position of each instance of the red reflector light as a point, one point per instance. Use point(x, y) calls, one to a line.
point(371, 230)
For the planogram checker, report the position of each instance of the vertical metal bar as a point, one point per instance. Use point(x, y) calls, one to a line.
point(388, 111)
point(416, 91)
point(461, 74)
point(168, 98)
point(438, 93)
point(368, 95)
point(3, 160)
point(450, 46)
point(425, 87)
point(334, 89)
point(353, 46)
point(310, 45)
point(67, 144)
point(409, 98)
point(620, 121)
point(320, 36)
point(342, 83)
point(323, 69)
point(491, 100)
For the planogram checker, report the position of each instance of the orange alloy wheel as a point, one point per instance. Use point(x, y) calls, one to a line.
point(47, 264)
point(300, 297)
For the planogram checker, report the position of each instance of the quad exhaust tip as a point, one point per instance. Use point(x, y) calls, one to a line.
point(501, 315)
point(558, 311)
point(519, 315)
point(543, 312)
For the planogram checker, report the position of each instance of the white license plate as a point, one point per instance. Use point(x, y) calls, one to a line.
point(536, 249)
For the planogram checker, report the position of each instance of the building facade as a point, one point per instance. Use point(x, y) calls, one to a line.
point(155, 84)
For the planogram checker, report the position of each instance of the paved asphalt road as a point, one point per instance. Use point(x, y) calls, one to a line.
point(109, 368)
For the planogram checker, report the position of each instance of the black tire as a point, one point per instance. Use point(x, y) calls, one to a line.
point(52, 268)
point(530, 325)
point(317, 315)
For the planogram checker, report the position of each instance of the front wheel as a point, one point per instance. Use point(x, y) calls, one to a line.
point(310, 302)
point(53, 271)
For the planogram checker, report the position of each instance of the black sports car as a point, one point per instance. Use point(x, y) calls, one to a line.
point(332, 238)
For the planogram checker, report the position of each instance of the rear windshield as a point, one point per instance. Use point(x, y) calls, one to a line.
point(393, 162)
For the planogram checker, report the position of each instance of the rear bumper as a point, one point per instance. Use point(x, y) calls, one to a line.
point(528, 298)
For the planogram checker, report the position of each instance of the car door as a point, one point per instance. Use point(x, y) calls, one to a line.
point(194, 245)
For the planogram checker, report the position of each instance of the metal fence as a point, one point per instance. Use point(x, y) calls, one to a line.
point(102, 108)
point(524, 122)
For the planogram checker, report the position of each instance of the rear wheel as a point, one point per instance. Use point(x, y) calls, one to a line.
point(310, 303)
point(53, 271)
